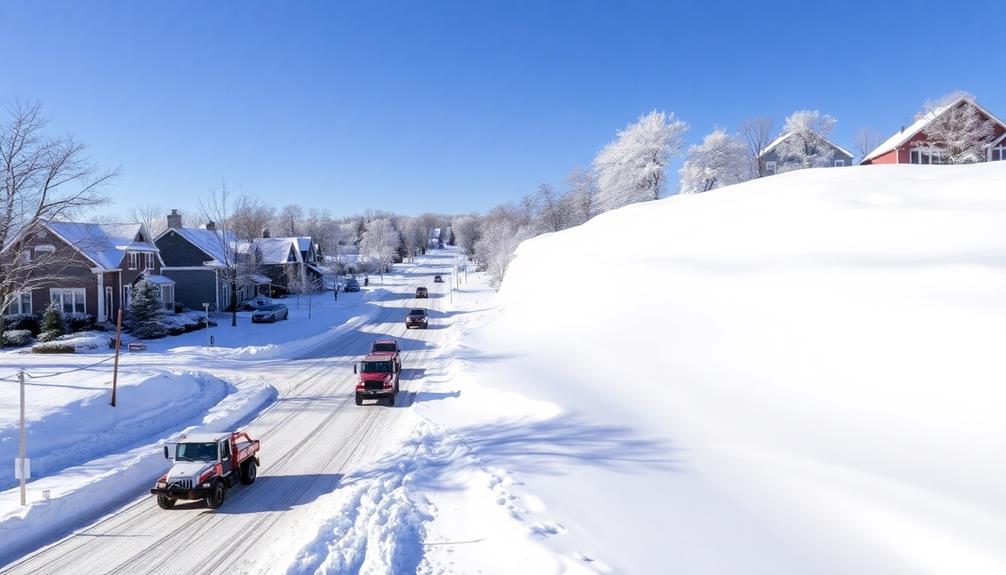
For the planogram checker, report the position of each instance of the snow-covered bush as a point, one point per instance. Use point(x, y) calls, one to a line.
point(75, 343)
point(19, 321)
point(17, 337)
point(183, 323)
point(78, 321)
point(146, 313)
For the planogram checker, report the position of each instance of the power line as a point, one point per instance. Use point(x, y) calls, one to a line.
point(83, 367)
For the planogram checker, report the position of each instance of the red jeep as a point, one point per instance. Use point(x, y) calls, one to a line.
point(378, 379)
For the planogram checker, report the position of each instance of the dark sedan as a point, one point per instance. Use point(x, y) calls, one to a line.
point(416, 318)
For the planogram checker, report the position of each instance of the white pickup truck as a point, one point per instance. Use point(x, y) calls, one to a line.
point(205, 466)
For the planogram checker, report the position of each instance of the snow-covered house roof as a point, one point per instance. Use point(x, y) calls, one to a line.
point(905, 134)
point(272, 250)
point(782, 137)
point(104, 244)
point(214, 243)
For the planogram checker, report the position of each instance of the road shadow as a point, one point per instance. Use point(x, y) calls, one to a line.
point(271, 493)
point(556, 446)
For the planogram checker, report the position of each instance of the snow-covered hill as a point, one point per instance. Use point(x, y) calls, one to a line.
point(799, 374)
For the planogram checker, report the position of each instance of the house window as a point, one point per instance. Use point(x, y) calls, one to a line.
point(148, 263)
point(168, 297)
point(134, 260)
point(839, 163)
point(45, 249)
point(999, 154)
point(770, 167)
point(21, 304)
point(26, 257)
point(69, 300)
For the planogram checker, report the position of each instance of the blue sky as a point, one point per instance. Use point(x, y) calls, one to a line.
point(458, 106)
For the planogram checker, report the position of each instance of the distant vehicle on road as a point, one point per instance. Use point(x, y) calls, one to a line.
point(422, 292)
point(270, 313)
point(437, 279)
point(387, 347)
point(378, 379)
point(205, 465)
point(416, 318)
point(351, 285)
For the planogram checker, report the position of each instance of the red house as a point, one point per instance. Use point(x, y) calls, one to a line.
point(910, 145)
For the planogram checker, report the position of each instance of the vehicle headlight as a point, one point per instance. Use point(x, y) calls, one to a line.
point(161, 485)
point(206, 484)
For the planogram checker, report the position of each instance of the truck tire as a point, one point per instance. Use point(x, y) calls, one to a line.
point(249, 471)
point(216, 496)
point(165, 502)
point(391, 400)
point(359, 400)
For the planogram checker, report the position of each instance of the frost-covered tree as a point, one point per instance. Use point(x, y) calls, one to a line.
point(581, 196)
point(468, 231)
point(379, 243)
point(958, 128)
point(720, 160)
point(501, 234)
point(552, 211)
point(807, 145)
point(632, 168)
point(53, 324)
point(145, 319)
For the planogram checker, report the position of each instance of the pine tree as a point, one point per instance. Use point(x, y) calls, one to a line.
point(146, 313)
point(53, 325)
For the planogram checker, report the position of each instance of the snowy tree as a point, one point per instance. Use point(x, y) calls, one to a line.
point(469, 232)
point(807, 145)
point(959, 129)
point(501, 235)
point(552, 211)
point(145, 319)
point(757, 134)
point(581, 196)
point(632, 167)
point(720, 160)
point(290, 220)
point(379, 243)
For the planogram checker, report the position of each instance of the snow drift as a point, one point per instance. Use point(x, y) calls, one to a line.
point(818, 354)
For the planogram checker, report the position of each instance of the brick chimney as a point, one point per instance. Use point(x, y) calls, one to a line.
point(265, 233)
point(174, 219)
point(211, 226)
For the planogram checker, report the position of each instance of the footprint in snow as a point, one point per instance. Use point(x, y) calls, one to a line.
point(547, 528)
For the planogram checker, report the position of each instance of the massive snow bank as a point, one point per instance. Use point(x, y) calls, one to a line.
point(819, 352)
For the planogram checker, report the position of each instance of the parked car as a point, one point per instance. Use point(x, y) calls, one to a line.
point(416, 318)
point(422, 292)
point(437, 279)
point(270, 313)
point(254, 303)
point(351, 285)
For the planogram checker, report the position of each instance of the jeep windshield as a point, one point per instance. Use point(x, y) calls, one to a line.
point(417, 312)
point(375, 367)
point(196, 452)
point(379, 347)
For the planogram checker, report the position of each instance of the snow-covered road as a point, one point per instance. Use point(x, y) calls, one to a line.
point(312, 436)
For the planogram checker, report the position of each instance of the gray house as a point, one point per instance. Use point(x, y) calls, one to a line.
point(771, 161)
point(199, 260)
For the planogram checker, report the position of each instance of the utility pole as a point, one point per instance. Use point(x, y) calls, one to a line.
point(23, 467)
point(118, 341)
point(206, 307)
